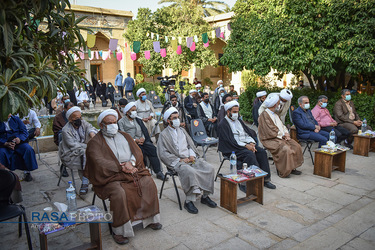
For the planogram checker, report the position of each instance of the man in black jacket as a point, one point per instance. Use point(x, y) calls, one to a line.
point(235, 136)
point(100, 91)
point(190, 104)
point(207, 114)
point(134, 126)
point(261, 96)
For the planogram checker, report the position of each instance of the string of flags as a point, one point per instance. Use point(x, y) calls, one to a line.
point(174, 42)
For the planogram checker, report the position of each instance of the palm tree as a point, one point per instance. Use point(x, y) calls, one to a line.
point(210, 8)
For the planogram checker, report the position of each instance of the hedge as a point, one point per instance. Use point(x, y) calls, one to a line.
point(364, 104)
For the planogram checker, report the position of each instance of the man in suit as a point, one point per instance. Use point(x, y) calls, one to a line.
point(190, 104)
point(306, 125)
point(207, 114)
point(346, 116)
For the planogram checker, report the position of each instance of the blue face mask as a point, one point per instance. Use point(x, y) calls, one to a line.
point(67, 100)
point(324, 105)
point(307, 106)
point(222, 94)
point(144, 98)
point(348, 97)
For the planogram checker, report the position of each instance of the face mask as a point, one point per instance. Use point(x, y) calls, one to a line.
point(222, 94)
point(176, 123)
point(67, 100)
point(324, 105)
point(348, 97)
point(81, 89)
point(206, 100)
point(110, 130)
point(77, 122)
point(109, 85)
point(144, 98)
point(234, 116)
point(87, 84)
point(307, 106)
point(221, 85)
point(133, 114)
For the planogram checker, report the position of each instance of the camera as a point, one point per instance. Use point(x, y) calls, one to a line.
point(166, 81)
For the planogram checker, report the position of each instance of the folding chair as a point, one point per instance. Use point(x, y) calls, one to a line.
point(151, 95)
point(172, 173)
point(199, 135)
point(130, 97)
point(35, 141)
point(105, 209)
point(117, 96)
point(156, 103)
point(225, 158)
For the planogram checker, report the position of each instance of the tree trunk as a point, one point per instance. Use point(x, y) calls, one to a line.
point(308, 75)
point(350, 83)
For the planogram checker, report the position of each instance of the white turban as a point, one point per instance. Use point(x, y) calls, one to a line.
point(168, 113)
point(193, 91)
point(261, 93)
point(71, 111)
point(230, 105)
point(106, 113)
point(220, 82)
point(286, 94)
point(221, 89)
point(198, 85)
point(128, 107)
point(140, 91)
point(271, 100)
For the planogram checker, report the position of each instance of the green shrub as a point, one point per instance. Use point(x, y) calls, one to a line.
point(139, 78)
point(364, 103)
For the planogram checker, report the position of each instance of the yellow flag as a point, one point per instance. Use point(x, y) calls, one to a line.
point(91, 40)
point(174, 45)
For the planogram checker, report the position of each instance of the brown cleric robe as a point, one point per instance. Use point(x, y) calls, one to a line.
point(131, 197)
point(286, 154)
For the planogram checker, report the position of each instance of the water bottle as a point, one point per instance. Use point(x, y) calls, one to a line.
point(233, 163)
point(332, 136)
point(71, 198)
point(364, 125)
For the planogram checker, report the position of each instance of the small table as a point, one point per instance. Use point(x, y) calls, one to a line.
point(363, 145)
point(326, 162)
point(228, 192)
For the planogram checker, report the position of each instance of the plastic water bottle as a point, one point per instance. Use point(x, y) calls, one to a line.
point(71, 198)
point(364, 125)
point(332, 136)
point(233, 163)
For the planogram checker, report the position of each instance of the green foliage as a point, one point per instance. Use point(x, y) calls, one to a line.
point(249, 78)
point(364, 103)
point(35, 39)
point(320, 38)
point(206, 8)
point(177, 21)
point(139, 78)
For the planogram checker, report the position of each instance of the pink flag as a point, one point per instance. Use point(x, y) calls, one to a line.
point(192, 48)
point(147, 54)
point(163, 52)
point(119, 56)
point(222, 35)
point(207, 44)
point(97, 54)
point(133, 56)
point(82, 55)
point(179, 50)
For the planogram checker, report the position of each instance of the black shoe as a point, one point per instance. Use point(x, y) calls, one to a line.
point(296, 172)
point(189, 206)
point(208, 202)
point(160, 176)
point(155, 226)
point(348, 145)
point(63, 171)
point(269, 185)
point(242, 187)
point(28, 177)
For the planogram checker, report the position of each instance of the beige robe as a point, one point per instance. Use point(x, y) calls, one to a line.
point(286, 154)
point(145, 110)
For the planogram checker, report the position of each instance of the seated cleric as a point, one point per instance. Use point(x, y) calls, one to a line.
point(235, 136)
point(116, 170)
point(273, 134)
point(177, 151)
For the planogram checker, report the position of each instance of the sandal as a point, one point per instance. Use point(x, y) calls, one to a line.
point(84, 189)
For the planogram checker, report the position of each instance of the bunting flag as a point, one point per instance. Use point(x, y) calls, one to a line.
point(147, 54)
point(217, 30)
point(213, 34)
point(196, 39)
point(119, 56)
point(179, 50)
point(205, 38)
point(152, 35)
point(113, 44)
point(192, 48)
point(229, 27)
point(156, 46)
point(136, 46)
point(206, 44)
point(114, 54)
point(189, 41)
point(133, 56)
point(105, 55)
point(157, 37)
point(101, 53)
point(82, 55)
point(163, 52)
point(174, 45)
point(180, 40)
point(75, 57)
point(109, 54)
point(222, 35)
point(97, 54)
point(91, 40)
point(166, 39)
point(126, 45)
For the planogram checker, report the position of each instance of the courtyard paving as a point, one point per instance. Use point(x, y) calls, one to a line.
point(304, 212)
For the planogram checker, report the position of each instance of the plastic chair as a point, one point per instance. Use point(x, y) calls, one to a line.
point(156, 103)
point(35, 141)
point(7, 209)
point(151, 95)
point(211, 96)
point(199, 135)
point(117, 96)
point(105, 209)
point(172, 173)
point(130, 97)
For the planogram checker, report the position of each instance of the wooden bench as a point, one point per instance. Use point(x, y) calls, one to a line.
point(326, 162)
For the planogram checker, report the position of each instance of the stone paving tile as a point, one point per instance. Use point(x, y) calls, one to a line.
point(333, 195)
point(234, 243)
point(180, 247)
point(358, 204)
point(324, 205)
point(358, 181)
point(358, 244)
point(159, 239)
point(285, 244)
point(339, 215)
point(350, 190)
point(369, 235)
point(312, 230)
point(295, 196)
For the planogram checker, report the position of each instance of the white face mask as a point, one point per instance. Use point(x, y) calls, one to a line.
point(176, 123)
point(234, 116)
point(110, 130)
point(133, 114)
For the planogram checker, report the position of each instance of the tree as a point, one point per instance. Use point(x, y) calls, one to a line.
point(35, 61)
point(208, 8)
point(171, 21)
point(323, 39)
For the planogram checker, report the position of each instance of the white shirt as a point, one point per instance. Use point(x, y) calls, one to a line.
point(179, 140)
point(33, 119)
point(241, 137)
point(207, 109)
point(82, 96)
